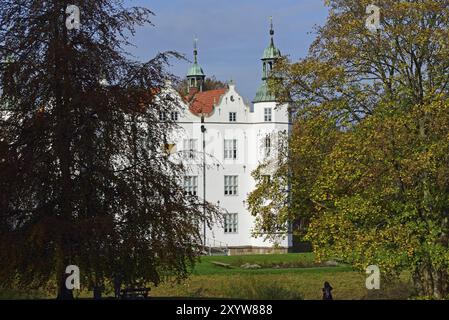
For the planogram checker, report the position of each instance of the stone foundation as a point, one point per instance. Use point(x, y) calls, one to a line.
point(240, 251)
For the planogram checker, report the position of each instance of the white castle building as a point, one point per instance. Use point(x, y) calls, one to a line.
point(237, 138)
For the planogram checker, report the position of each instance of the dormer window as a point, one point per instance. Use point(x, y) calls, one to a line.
point(232, 116)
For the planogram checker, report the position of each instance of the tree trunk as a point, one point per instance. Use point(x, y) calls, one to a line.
point(430, 282)
point(63, 292)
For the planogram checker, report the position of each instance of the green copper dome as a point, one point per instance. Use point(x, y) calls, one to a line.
point(271, 52)
point(270, 55)
point(195, 70)
point(263, 94)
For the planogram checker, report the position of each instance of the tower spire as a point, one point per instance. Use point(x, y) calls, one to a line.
point(270, 56)
point(195, 49)
point(195, 74)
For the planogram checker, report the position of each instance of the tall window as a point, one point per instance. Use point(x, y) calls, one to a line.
point(230, 185)
point(282, 146)
point(231, 223)
point(230, 149)
point(232, 116)
point(267, 114)
point(190, 148)
point(174, 116)
point(267, 146)
point(191, 185)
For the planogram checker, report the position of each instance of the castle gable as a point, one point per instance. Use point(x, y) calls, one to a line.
point(205, 102)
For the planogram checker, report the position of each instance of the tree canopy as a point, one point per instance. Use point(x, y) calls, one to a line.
point(210, 83)
point(84, 178)
point(369, 150)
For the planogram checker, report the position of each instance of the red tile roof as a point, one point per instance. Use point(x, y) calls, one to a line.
point(204, 102)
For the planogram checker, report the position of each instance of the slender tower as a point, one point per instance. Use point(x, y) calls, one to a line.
point(195, 75)
point(270, 55)
point(271, 121)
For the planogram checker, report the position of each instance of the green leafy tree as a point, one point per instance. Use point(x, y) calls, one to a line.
point(284, 187)
point(84, 178)
point(378, 190)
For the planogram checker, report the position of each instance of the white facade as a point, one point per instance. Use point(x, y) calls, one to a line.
point(237, 140)
point(246, 148)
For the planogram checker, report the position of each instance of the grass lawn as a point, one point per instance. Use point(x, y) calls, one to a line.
point(286, 276)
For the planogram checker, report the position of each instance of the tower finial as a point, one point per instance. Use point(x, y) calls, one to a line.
point(271, 30)
point(195, 49)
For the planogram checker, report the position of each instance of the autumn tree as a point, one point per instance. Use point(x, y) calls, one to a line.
point(284, 184)
point(210, 83)
point(84, 178)
point(378, 192)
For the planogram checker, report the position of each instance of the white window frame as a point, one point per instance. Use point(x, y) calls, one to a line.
point(190, 148)
point(175, 116)
point(232, 116)
point(162, 116)
point(191, 185)
point(268, 114)
point(231, 223)
point(230, 149)
point(231, 185)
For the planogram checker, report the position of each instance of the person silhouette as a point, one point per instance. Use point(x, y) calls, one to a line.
point(117, 285)
point(327, 291)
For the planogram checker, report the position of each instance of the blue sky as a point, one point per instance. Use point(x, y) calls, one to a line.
point(232, 34)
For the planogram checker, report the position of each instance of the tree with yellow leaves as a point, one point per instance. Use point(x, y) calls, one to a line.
point(372, 179)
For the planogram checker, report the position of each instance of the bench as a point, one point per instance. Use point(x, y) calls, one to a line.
point(135, 293)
